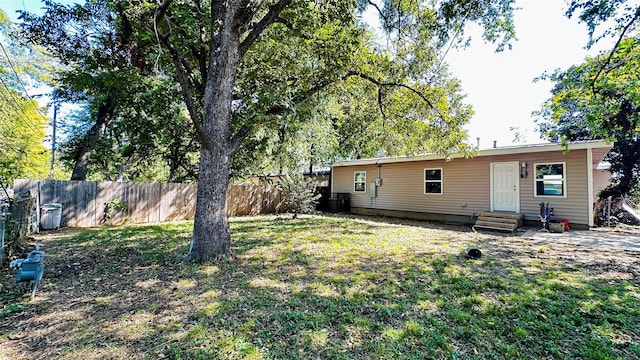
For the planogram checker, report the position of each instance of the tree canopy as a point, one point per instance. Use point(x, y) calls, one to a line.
point(263, 75)
point(132, 124)
point(22, 131)
point(110, 49)
point(22, 122)
point(249, 67)
point(600, 99)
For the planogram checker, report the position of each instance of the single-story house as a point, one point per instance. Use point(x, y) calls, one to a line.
point(511, 180)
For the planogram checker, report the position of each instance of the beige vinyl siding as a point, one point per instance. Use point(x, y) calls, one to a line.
point(466, 186)
point(573, 206)
point(402, 187)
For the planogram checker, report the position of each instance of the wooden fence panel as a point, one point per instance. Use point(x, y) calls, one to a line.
point(237, 202)
point(137, 203)
point(71, 195)
point(153, 202)
point(105, 194)
point(84, 202)
point(273, 200)
point(111, 192)
point(177, 201)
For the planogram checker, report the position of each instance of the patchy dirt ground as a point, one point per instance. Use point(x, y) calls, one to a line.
point(75, 295)
point(85, 287)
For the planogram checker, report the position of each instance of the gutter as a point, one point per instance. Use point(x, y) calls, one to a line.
point(507, 150)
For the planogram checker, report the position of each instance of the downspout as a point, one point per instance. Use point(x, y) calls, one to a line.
point(590, 193)
point(331, 181)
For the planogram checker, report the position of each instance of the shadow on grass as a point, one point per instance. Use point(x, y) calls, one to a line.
point(323, 288)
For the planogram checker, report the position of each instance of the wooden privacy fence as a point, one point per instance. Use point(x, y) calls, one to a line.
point(87, 203)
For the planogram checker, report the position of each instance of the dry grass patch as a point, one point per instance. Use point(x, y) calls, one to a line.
point(323, 287)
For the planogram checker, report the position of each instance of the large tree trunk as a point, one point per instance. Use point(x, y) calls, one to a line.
point(83, 154)
point(211, 236)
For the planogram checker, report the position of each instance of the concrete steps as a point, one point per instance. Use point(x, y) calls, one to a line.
point(499, 221)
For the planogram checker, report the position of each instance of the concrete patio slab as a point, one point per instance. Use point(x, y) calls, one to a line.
point(599, 238)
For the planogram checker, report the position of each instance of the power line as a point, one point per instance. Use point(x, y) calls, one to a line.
point(6, 142)
point(11, 146)
point(15, 102)
point(18, 78)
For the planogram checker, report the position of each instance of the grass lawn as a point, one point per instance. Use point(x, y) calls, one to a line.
point(323, 288)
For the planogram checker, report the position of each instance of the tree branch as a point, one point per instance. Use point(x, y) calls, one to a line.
point(245, 130)
point(615, 47)
point(383, 84)
point(380, 13)
point(260, 26)
point(241, 135)
point(380, 96)
point(181, 71)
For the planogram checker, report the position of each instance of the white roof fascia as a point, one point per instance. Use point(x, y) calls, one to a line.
point(507, 150)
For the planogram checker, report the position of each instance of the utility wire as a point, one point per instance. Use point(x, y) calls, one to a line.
point(13, 105)
point(19, 80)
point(5, 139)
point(6, 142)
point(11, 146)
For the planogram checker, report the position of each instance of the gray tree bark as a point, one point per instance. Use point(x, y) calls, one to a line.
point(211, 236)
point(83, 153)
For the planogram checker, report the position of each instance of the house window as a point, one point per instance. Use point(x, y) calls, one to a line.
point(550, 179)
point(433, 181)
point(359, 181)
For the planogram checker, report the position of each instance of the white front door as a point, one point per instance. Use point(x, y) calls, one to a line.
point(505, 187)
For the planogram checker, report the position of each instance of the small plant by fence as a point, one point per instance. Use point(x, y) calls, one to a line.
point(91, 203)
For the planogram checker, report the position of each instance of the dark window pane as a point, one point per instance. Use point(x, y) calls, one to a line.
point(539, 188)
point(433, 187)
point(433, 174)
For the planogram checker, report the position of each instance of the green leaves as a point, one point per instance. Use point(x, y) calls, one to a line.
point(299, 194)
point(617, 15)
point(600, 99)
point(21, 137)
point(22, 122)
point(314, 86)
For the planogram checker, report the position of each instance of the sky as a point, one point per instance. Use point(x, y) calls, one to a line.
point(10, 7)
point(499, 86)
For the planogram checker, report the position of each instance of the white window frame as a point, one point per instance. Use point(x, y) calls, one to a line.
point(441, 181)
point(364, 182)
point(563, 179)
